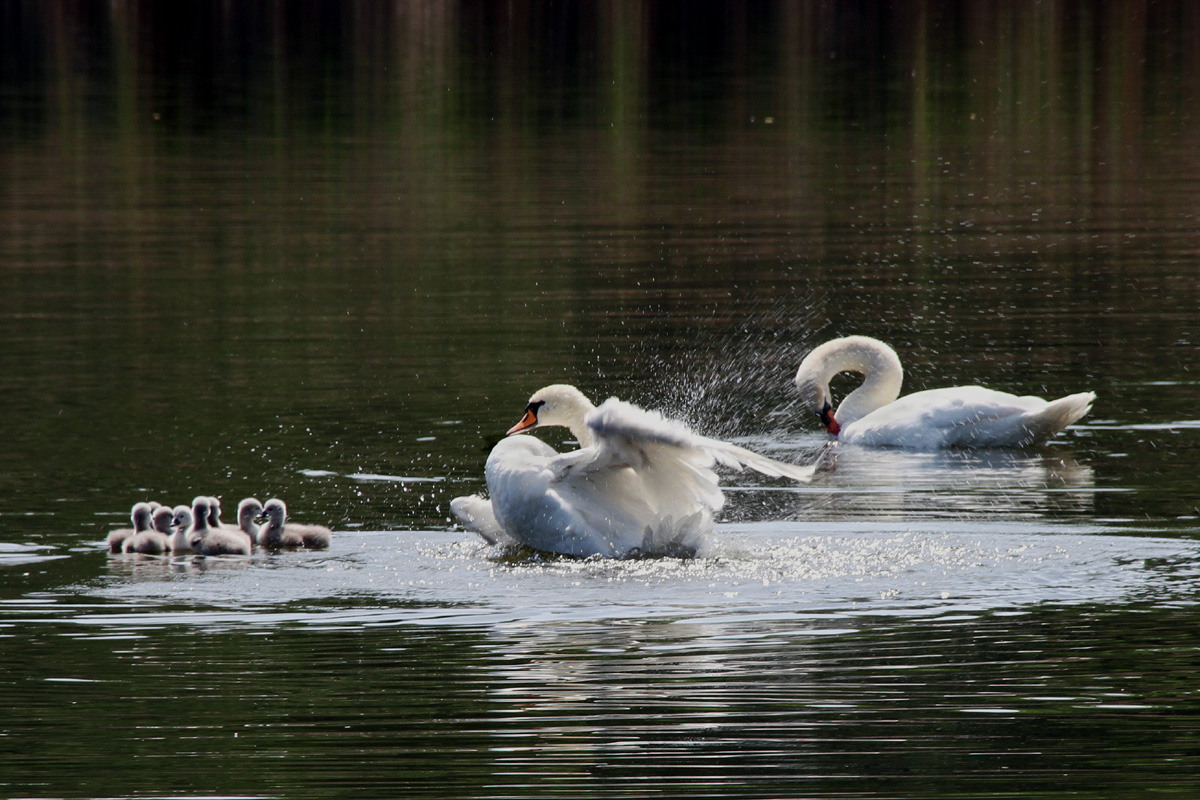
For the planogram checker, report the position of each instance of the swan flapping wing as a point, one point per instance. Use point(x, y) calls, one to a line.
point(670, 457)
point(627, 427)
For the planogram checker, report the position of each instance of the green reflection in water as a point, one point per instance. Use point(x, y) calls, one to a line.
point(260, 250)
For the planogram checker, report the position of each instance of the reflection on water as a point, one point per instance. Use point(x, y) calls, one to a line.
point(757, 569)
point(802, 657)
point(326, 251)
point(896, 484)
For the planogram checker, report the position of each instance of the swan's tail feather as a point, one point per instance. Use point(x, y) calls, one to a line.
point(476, 515)
point(1058, 414)
point(685, 538)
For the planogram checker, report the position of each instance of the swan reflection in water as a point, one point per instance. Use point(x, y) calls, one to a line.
point(856, 482)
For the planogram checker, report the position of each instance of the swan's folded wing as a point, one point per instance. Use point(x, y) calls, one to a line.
point(967, 416)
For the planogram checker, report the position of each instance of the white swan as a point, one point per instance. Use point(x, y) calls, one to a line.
point(961, 416)
point(638, 483)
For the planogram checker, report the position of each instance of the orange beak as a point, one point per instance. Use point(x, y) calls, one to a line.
point(831, 425)
point(527, 422)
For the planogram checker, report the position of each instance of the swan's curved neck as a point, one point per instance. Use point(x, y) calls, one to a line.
point(577, 425)
point(882, 375)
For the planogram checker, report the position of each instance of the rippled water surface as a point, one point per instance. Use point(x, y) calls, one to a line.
point(327, 251)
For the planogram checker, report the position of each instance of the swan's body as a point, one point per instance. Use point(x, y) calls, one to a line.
point(278, 532)
point(212, 541)
point(142, 518)
point(638, 483)
point(157, 540)
point(960, 416)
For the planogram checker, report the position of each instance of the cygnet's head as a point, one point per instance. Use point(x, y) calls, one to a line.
point(214, 511)
point(558, 404)
point(200, 509)
point(163, 519)
point(248, 511)
point(142, 516)
point(183, 517)
point(274, 511)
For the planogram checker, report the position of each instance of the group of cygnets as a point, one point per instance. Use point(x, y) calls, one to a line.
point(162, 530)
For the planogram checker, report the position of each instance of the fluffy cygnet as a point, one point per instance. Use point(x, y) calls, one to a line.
point(156, 541)
point(141, 517)
point(182, 523)
point(278, 532)
point(249, 511)
point(150, 543)
point(211, 541)
point(164, 517)
point(214, 520)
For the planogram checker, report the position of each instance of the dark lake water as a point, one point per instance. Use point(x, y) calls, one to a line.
point(326, 252)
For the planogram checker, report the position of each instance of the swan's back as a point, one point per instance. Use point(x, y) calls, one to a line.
point(966, 416)
point(315, 537)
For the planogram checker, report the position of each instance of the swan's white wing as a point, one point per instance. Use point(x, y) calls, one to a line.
point(660, 462)
point(647, 484)
point(730, 455)
point(632, 432)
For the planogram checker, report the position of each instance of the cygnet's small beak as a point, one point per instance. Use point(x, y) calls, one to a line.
point(259, 519)
point(528, 421)
point(826, 417)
